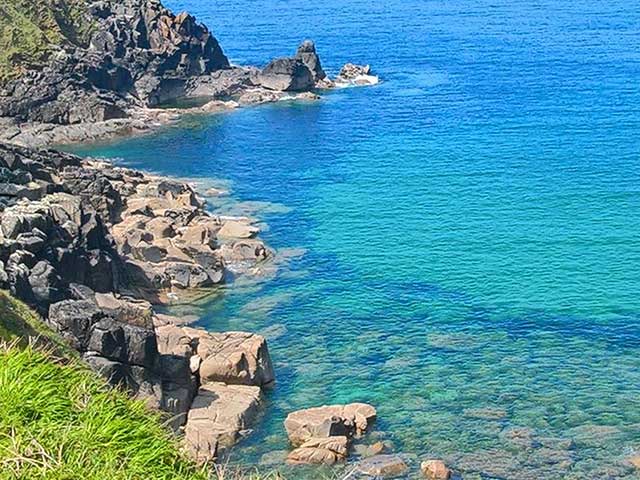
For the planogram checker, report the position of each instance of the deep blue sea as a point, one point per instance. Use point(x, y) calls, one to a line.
point(463, 236)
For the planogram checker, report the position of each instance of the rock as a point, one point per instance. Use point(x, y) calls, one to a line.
point(258, 96)
point(236, 229)
point(634, 460)
point(172, 340)
point(489, 413)
point(383, 466)
point(328, 421)
point(435, 470)
point(138, 52)
point(217, 416)
point(307, 53)
point(73, 319)
point(326, 451)
point(352, 74)
point(235, 358)
point(286, 74)
point(46, 285)
point(366, 451)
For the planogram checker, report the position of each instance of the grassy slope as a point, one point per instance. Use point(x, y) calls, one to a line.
point(31, 29)
point(59, 421)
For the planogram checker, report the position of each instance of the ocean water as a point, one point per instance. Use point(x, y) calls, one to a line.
point(462, 241)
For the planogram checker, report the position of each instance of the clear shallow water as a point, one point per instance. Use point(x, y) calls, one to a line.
point(470, 226)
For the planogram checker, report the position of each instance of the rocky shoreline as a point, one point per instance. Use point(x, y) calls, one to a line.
point(139, 57)
point(95, 248)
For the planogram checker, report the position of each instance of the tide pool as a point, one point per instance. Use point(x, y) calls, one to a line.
point(463, 239)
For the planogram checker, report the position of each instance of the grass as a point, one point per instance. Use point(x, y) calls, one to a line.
point(59, 421)
point(30, 30)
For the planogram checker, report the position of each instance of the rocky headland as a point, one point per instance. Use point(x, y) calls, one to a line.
point(134, 56)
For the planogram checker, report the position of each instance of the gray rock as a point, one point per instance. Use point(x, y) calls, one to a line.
point(286, 74)
point(73, 319)
point(139, 53)
point(307, 53)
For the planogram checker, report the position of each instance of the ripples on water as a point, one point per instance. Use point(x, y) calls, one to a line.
point(469, 227)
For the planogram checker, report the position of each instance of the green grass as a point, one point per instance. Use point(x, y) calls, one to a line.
point(30, 30)
point(59, 421)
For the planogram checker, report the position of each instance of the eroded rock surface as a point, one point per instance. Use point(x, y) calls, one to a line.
point(326, 451)
point(328, 421)
point(218, 415)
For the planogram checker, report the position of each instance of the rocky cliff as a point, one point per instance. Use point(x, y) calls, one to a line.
point(137, 53)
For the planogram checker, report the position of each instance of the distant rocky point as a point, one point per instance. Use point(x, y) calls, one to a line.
point(137, 56)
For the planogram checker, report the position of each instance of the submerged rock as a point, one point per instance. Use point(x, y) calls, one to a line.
point(326, 451)
point(383, 466)
point(435, 470)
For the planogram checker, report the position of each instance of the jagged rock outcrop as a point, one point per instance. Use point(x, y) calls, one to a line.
point(307, 53)
point(301, 72)
point(139, 54)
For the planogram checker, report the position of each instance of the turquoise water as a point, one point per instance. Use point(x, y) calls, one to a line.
point(464, 235)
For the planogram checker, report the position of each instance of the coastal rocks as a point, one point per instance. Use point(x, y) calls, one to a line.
point(358, 75)
point(169, 242)
point(383, 466)
point(307, 53)
point(77, 252)
point(139, 53)
point(237, 229)
point(235, 358)
point(325, 451)
point(323, 434)
point(218, 416)
point(328, 421)
point(435, 470)
point(286, 74)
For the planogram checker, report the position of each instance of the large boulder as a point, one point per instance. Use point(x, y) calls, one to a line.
point(286, 74)
point(329, 421)
point(218, 415)
point(234, 357)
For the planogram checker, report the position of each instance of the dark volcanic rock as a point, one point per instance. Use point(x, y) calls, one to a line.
point(307, 53)
point(140, 54)
point(286, 74)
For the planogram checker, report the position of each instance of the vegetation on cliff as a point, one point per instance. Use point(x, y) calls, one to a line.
point(58, 420)
point(31, 30)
